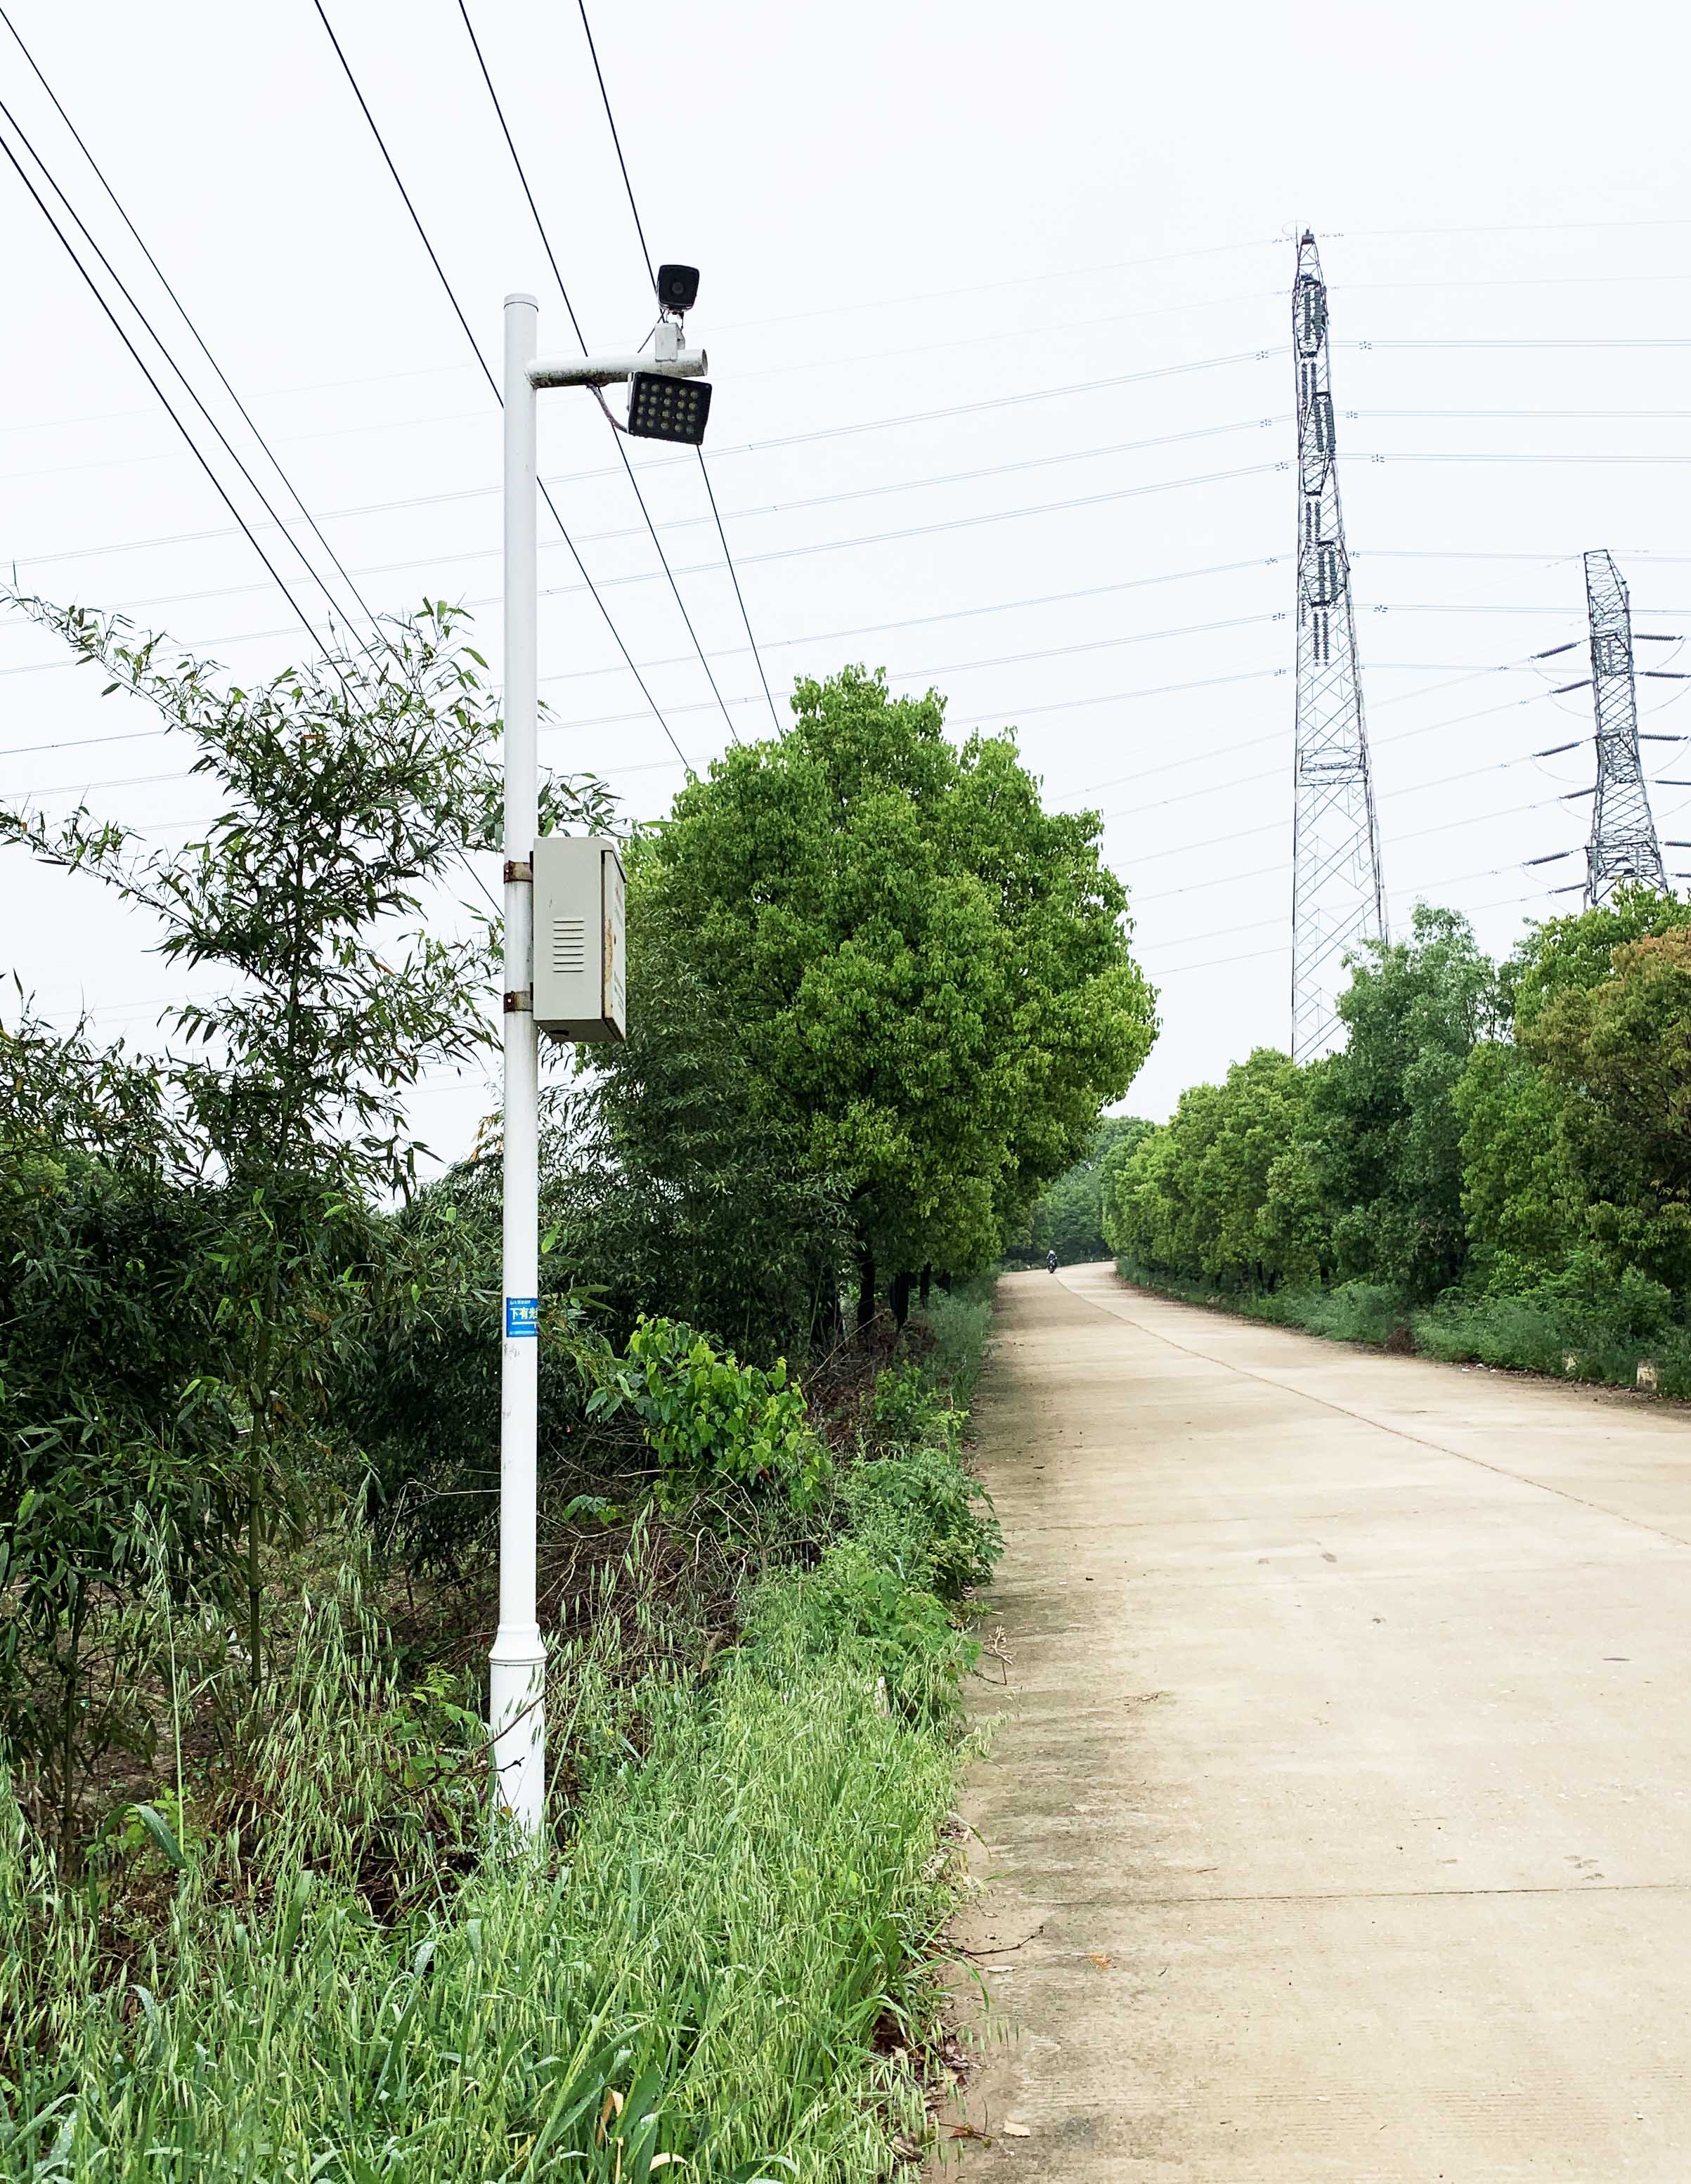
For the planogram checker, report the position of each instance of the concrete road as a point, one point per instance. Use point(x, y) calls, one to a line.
point(1342, 1776)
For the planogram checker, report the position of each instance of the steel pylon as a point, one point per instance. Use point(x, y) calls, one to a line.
point(1337, 900)
point(1623, 845)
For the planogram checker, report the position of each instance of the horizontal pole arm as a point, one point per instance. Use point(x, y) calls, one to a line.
point(606, 370)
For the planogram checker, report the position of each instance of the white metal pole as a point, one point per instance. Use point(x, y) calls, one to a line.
point(517, 1684)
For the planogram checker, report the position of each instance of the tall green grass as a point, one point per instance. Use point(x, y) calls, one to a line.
point(718, 1963)
point(960, 1320)
point(321, 1965)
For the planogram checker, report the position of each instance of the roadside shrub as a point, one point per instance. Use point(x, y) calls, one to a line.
point(707, 1418)
point(1354, 1312)
point(705, 1977)
point(959, 1321)
point(857, 1608)
point(1508, 1331)
point(925, 1518)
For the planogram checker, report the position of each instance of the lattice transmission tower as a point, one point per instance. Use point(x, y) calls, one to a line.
point(1336, 898)
point(1624, 845)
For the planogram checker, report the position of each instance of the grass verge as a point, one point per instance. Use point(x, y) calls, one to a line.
point(1518, 1334)
point(314, 1967)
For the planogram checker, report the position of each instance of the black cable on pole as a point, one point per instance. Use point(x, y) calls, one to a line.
point(194, 447)
point(623, 453)
point(704, 472)
point(487, 373)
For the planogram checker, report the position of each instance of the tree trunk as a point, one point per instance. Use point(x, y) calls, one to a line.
point(927, 1283)
point(945, 1283)
point(829, 1323)
point(866, 1291)
point(67, 1755)
point(255, 1503)
point(901, 1298)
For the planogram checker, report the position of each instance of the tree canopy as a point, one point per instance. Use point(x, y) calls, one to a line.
point(1522, 1130)
point(927, 975)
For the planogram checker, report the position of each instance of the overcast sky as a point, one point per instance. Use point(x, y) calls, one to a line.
point(1045, 256)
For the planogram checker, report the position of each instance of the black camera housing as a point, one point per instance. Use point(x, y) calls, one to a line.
point(677, 287)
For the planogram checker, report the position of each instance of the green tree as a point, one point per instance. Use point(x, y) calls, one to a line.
point(927, 973)
point(1541, 1147)
point(1385, 1134)
point(1577, 952)
point(1067, 1218)
point(1622, 1049)
point(1191, 1199)
point(668, 1188)
point(349, 792)
point(1522, 1195)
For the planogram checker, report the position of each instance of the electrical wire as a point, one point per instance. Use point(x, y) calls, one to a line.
point(486, 371)
point(777, 507)
point(651, 276)
point(898, 674)
point(1220, 568)
point(200, 456)
point(617, 720)
point(1002, 336)
point(1565, 416)
point(817, 636)
point(164, 350)
point(558, 276)
point(651, 271)
point(780, 553)
point(740, 596)
point(1526, 340)
point(719, 454)
point(181, 311)
point(1404, 455)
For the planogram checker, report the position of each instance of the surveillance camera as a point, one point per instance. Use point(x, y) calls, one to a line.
point(677, 287)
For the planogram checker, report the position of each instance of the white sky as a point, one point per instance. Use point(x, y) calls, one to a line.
point(898, 210)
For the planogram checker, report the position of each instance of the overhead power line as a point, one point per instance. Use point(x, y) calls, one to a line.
point(486, 370)
point(328, 656)
point(815, 637)
point(621, 452)
point(119, 328)
point(651, 276)
point(752, 447)
point(183, 314)
point(603, 470)
point(1526, 340)
point(1130, 583)
point(775, 553)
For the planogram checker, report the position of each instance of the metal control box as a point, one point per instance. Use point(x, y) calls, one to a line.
point(580, 959)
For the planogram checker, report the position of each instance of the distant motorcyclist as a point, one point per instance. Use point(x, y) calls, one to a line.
point(1051, 1262)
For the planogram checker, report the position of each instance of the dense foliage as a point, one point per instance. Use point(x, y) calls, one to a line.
point(193, 1258)
point(921, 976)
point(257, 1912)
point(1499, 1154)
point(1069, 1217)
point(303, 1965)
